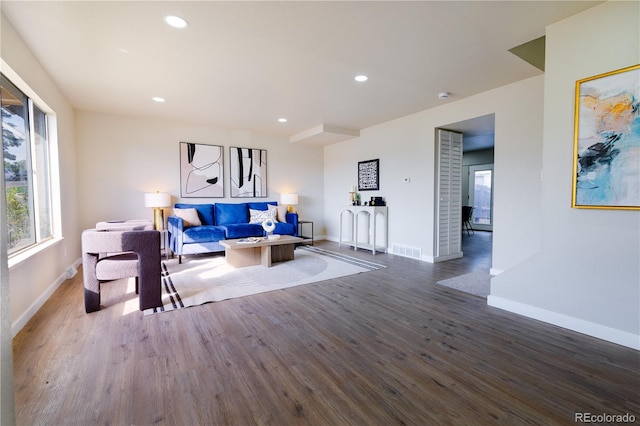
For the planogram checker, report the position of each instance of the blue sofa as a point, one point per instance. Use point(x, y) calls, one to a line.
point(221, 221)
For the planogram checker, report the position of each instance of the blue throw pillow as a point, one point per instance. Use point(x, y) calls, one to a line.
point(231, 213)
point(261, 205)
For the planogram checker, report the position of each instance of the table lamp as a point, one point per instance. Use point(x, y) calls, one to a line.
point(289, 200)
point(157, 201)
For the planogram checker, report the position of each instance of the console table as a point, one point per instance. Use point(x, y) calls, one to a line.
point(357, 213)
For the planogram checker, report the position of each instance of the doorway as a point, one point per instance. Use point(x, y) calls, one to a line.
point(481, 196)
point(478, 155)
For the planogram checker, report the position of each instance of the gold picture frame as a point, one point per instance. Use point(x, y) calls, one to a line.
point(606, 148)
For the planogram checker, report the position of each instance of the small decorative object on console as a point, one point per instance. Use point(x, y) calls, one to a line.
point(377, 201)
point(352, 195)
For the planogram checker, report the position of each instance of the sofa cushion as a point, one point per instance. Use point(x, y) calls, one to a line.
point(284, 228)
point(190, 217)
point(259, 216)
point(261, 205)
point(202, 234)
point(205, 211)
point(242, 230)
point(227, 214)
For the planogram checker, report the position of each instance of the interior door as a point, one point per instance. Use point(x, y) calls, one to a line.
point(481, 196)
point(449, 196)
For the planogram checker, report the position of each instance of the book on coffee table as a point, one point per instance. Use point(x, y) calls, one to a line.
point(250, 240)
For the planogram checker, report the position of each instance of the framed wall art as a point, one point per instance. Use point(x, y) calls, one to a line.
point(369, 175)
point(201, 170)
point(248, 169)
point(606, 154)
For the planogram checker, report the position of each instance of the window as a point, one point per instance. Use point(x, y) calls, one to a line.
point(481, 195)
point(27, 178)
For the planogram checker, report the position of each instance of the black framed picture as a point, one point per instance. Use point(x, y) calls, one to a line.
point(201, 168)
point(248, 168)
point(369, 175)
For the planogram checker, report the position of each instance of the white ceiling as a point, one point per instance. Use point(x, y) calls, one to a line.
point(243, 65)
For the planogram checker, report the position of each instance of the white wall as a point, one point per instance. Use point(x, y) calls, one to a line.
point(405, 148)
point(120, 158)
point(32, 281)
point(587, 276)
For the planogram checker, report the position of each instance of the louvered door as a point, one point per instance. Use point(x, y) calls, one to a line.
point(449, 196)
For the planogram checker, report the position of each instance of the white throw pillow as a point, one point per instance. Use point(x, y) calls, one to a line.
point(259, 216)
point(189, 216)
point(281, 212)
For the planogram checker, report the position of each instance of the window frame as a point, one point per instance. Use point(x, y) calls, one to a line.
point(52, 169)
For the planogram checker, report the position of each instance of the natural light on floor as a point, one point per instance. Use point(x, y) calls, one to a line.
point(132, 304)
point(212, 268)
point(217, 272)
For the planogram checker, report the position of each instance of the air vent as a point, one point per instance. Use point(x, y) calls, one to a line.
point(406, 251)
point(71, 272)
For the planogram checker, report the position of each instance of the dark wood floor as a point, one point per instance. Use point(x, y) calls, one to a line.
point(380, 348)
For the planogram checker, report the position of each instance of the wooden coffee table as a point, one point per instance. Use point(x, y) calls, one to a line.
point(264, 252)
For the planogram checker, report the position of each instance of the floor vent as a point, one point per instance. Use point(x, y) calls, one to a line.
point(71, 272)
point(406, 251)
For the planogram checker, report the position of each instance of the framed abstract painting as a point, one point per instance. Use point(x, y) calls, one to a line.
point(201, 171)
point(606, 153)
point(369, 175)
point(248, 169)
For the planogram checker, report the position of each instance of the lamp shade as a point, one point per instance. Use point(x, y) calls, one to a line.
point(289, 199)
point(157, 199)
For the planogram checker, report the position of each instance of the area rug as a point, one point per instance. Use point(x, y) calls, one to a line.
point(199, 281)
point(478, 283)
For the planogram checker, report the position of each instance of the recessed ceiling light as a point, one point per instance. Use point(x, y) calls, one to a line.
point(282, 120)
point(361, 78)
point(158, 99)
point(176, 21)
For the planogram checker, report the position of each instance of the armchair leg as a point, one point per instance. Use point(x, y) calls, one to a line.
point(91, 301)
point(180, 259)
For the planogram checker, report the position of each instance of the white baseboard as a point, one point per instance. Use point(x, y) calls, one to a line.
point(495, 272)
point(22, 320)
point(436, 259)
point(599, 331)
